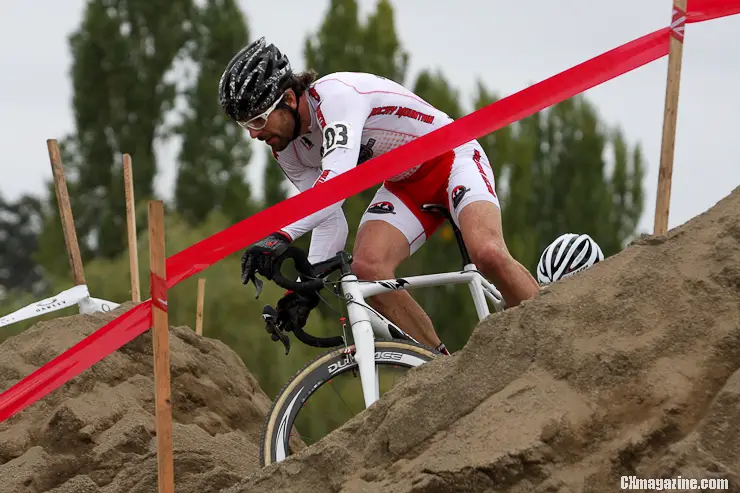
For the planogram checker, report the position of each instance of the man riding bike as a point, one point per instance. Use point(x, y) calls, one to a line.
point(318, 129)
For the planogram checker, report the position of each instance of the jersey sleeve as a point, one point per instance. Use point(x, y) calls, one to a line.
point(330, 235)
point(302, 177)
point(341, 114)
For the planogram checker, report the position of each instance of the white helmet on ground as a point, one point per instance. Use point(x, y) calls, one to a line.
point(568, 254)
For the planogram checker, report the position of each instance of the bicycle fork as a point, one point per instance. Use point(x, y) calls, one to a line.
point(362, 333)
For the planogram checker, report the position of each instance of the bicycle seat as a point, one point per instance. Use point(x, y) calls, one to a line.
point(439, 209)
point(442, 210)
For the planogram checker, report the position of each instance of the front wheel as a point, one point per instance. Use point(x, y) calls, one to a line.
point(290, 411)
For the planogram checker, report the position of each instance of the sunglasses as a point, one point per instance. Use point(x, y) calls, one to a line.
point(258, 122)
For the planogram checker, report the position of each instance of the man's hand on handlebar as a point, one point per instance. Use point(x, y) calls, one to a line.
point(291, 315)
point(266, 258)
point(301, 297)
point(261, 258)
point(293, 309)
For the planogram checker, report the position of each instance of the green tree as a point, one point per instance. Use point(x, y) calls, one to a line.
point(20, 222)
point(122, 54)
point(215, 151)
point(342, 43)
point(381, 49)
point(434, 88)
point(626, 189)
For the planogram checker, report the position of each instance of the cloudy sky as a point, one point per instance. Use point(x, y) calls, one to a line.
point(509, 45)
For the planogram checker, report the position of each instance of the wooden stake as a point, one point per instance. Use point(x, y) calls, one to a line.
point(133, 254)
point(160, 340)
point(665, 174)
point(65, 212)
point(199, 309)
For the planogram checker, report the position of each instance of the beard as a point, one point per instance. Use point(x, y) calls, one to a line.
point(280, 143)
point(283, 135)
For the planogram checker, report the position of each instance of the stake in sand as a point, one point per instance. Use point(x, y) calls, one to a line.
point(133, 254)
point(161, 348)
point(199, 309)
point(65, 212)
point(665, 174)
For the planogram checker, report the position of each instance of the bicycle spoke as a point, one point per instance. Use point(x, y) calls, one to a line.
point(340, 397)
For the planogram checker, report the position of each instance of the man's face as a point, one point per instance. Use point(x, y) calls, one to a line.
point(278, 132)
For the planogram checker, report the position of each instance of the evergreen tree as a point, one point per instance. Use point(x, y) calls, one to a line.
point(342, 43)
point(122, 56)
point(20, 223)
point(215, 151)
point(434, 88)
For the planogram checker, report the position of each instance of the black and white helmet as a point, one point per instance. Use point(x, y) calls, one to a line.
point(568, 254)
point(252, 80)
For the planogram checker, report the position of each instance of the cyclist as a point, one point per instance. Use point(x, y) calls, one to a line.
point(318, 129)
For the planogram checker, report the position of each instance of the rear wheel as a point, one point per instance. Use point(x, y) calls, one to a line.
point(323, 377)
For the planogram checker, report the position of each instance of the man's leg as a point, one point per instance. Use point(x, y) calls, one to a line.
point(389, 233)
point(475, 206)
point(480, 225)
point(379, 250)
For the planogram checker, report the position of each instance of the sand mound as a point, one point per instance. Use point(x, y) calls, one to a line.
point(629, 369)
point(96, 434)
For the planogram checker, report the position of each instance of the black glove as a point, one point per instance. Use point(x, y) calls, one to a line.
point(260, 258)
point(293, 309)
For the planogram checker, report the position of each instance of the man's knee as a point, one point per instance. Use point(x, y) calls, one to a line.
point(481, 225)
point(371, 267)
point(379, 249)
point(492, 255)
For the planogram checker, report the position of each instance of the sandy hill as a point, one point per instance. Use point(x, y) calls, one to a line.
point(630, 368)
point(96, 434)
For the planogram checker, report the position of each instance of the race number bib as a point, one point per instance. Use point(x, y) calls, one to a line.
point(336, 134)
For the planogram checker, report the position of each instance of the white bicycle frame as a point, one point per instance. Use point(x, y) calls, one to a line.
point(367, 323)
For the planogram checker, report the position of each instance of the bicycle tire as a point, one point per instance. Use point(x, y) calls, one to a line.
point(274, 440)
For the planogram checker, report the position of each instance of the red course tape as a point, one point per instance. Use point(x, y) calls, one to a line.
point(158, 291)
point(705, 10)
point(205, 253)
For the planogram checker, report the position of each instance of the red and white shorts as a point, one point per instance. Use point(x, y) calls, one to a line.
point(455, 179)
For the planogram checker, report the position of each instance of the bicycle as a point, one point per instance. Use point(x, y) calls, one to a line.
point(377, 341)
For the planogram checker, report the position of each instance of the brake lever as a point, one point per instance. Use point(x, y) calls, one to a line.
point(257, 285)
point(270, 316)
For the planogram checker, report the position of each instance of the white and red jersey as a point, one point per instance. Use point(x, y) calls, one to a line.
point(354, 117)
